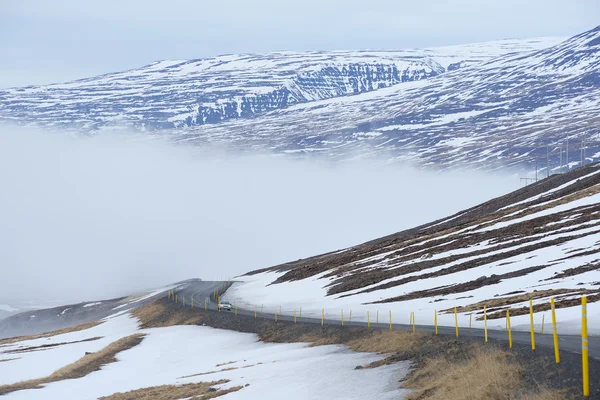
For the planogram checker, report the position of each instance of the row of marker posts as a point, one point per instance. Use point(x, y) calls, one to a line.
point(584, 334)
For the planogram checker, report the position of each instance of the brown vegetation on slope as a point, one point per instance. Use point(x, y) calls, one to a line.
point(47, 346)
point(194, 391)
point(76, 328)
point(496, 307)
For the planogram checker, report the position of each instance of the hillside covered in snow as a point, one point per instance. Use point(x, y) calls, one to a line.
point(508, 112)
point(538, 242)
point(178, 93)
point(510, 104)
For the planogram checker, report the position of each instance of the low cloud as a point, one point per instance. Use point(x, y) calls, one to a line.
point(90, 218)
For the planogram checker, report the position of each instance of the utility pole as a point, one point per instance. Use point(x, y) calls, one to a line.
point(526, 180)
point(561, 168)
point(567, 154)
point(547, 161)
point(584, 149)
point(581, 152)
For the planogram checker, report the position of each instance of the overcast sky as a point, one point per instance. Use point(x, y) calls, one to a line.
point(52, 41)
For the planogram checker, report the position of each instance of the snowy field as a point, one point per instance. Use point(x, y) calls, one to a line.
point(167, 355)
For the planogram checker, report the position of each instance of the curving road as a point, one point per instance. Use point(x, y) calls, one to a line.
point(203, 290)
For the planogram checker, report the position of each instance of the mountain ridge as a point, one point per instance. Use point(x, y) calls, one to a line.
point(501, 113)
point(178, 93)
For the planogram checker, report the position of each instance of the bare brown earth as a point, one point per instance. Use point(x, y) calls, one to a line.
point(496, 307)
point(226, 363)
point(196, 391)
point(76, 328)
point(47, 346)
point(572, 302)
point(416, 254)
point(220, 370)
point(577, 270)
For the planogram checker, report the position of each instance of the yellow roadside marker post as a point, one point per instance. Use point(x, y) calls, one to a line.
point(280, 312)
point(471, 320)
point(255, 311)
point(414, 324)
point(435, 321)
point(322, 316)
point(485, 323)
point(531, 328)
point(192, 302)
point(368, 320)
point(584, 348)
point(205, 305)
point(377, 317)
point(390, 320)
point(456, 321)
point(508, 329)
point(294, 315)
point(342, 317)
point(554, 332)
point(542, 331)
point(350, 316)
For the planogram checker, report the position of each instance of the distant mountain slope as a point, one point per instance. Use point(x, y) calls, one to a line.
point(499, 113)
point(169, 94)
point(540, 241)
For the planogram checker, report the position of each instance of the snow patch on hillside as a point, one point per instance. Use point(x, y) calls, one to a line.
point(167, 355)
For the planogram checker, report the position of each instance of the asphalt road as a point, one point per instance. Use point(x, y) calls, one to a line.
point(200, 291)
point(203, 290)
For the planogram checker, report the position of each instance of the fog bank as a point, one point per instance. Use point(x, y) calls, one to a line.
point(90, 218)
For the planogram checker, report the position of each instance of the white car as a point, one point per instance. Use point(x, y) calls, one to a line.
point(224, 305)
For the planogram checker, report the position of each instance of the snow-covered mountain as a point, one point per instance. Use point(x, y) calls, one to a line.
point(499, 105)
point(498, 113)
point(538, 242)
point(169, 94)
